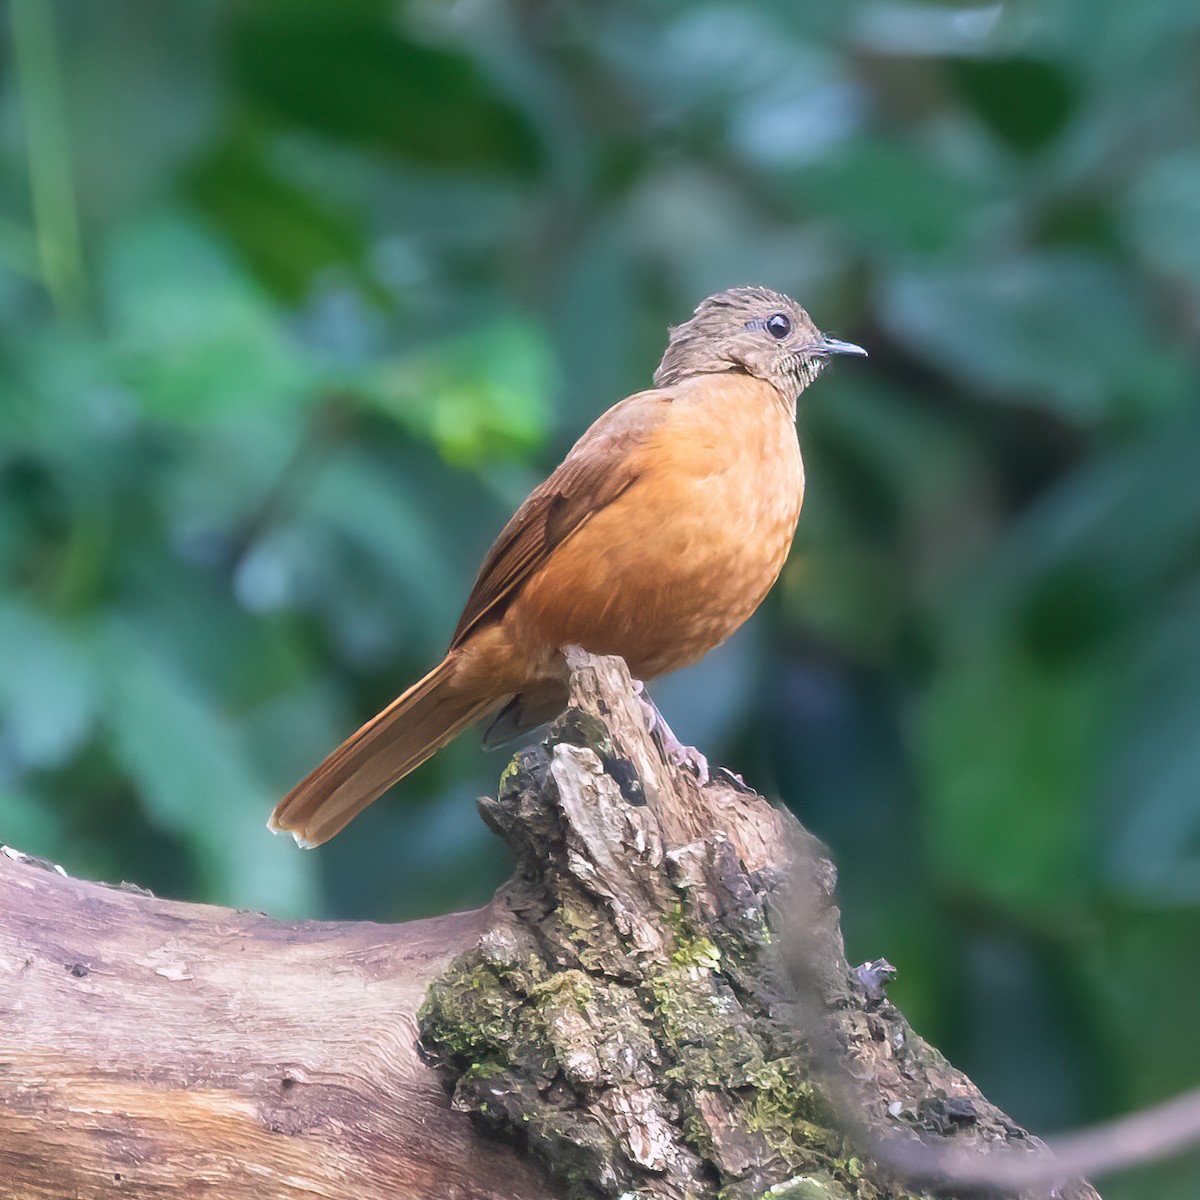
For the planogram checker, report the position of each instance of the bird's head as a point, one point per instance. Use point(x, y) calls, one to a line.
point(752, 329)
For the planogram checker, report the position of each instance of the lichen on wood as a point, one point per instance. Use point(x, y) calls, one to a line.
point(653, 1008)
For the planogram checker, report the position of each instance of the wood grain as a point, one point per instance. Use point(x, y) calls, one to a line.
point(157, 1049)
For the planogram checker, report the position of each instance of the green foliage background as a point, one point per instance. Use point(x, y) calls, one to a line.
point(298, 298)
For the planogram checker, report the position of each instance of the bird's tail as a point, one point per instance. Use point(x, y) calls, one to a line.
point(414, 726)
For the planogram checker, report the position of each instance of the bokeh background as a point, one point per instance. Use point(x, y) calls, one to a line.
point(298, 299)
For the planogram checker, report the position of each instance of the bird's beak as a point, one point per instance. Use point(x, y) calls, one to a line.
point(828, 345)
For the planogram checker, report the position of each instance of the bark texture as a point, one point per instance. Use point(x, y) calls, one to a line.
point(656, 1005)
point(153, 1049)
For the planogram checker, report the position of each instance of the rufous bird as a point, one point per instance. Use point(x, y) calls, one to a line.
point(658, 535)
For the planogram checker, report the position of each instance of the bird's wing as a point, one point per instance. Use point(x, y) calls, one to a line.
point(600, 466)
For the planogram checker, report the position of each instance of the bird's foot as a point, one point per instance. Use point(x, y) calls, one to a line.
point(734, 780)
point(673, 750)
point(875, 976)
point(687, 757)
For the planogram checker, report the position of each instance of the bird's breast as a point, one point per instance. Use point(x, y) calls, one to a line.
point(683, 557)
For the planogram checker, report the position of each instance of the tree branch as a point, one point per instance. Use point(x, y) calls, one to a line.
point(154, 1049)
point(656, 1003)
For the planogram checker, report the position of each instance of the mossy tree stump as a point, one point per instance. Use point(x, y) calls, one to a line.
point(657, 1004)
point(663, 1006)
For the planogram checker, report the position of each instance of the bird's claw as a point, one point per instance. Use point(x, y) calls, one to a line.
point(689, 758)
point(733, 780)
point(875, 976)
point(673, 750)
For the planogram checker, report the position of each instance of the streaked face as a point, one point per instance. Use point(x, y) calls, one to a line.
point(764, 333)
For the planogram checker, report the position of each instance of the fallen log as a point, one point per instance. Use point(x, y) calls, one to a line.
point(657, 1004)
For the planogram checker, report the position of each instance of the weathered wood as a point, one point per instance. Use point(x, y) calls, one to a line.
point(656, 1004)
point(154, 1049)
point(667, 1009)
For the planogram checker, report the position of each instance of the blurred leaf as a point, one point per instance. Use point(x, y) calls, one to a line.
point(1007, 747)
point(483, 394)
point(27, 825)
point(837, 589)
point(1056, 328)
point(1164, 213)
point(890, 462)
point(1101, 546)
point(1128, 50)
point(1067, 679)
point(892, 200)
point(194, 780)
point(1145, 962)
point(373, 512)
point(18, 249)
point(192, 337)
point(345, 71)
point(1026, 102)
point(286, 234)
point(47, 689)
point(1152, 772)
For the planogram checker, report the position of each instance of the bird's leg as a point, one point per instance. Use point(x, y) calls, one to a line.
point(677, 753)
point(674, 751)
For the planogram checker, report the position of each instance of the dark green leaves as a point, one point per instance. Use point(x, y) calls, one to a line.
point(346, 71)
point(1025, 102)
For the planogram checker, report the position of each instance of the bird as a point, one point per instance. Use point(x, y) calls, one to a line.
point(658, 535)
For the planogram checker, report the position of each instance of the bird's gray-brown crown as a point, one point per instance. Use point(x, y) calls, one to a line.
point(752, 329)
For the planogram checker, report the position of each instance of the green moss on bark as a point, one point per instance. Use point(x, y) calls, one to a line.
point(619, 1066)
point(632, 1019)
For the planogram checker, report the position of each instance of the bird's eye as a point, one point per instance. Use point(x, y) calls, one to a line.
point(778, 326)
